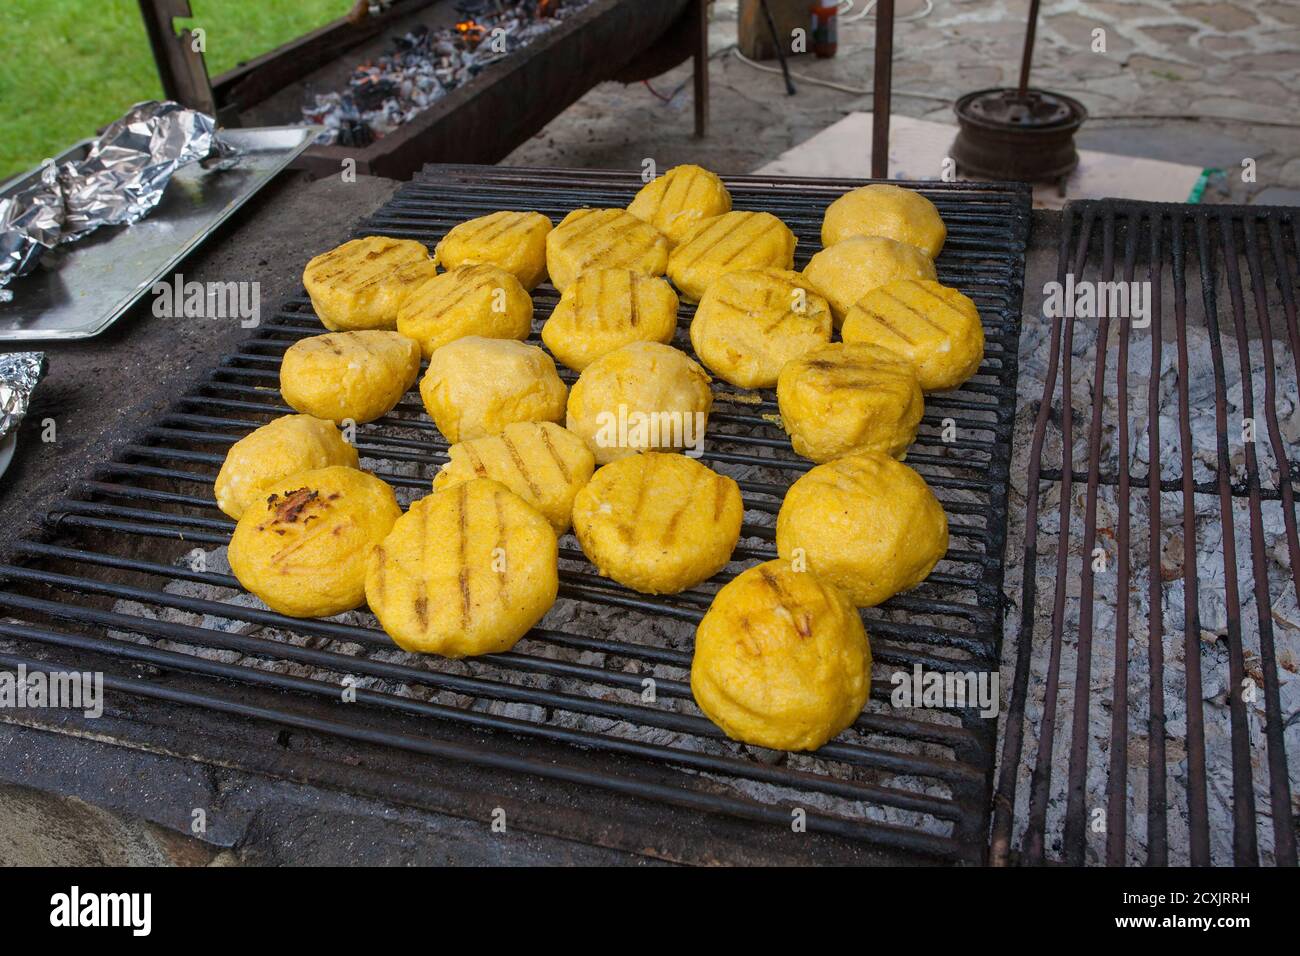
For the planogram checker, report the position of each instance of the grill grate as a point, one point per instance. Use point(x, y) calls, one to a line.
point(1194, 774)
point(115, 574)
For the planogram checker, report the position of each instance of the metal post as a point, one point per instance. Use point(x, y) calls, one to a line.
point(884, 76)
point(1027, 57)
point(701, 68)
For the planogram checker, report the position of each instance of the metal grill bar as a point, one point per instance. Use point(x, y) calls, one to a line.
point(110, 577)
point(1219, 247)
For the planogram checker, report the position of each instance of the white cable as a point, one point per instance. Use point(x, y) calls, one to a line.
point(830, 84)
point(847, 5)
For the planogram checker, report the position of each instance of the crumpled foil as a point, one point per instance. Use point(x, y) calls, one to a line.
point(121, 179)
point(19, 373)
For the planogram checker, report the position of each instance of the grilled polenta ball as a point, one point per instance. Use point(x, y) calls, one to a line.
point(881, 209)
point(476, 387)
point(603, 239)
point(781, 659)
point(349, 375)
point(658, 523)
point(845, 398)
point(751, 323)
point(848, 270)
point(674, 202)
point(935, 327)
point(541, 462)
point(362, 283)
point(514, 241)
point(605, 309)
point(465, 571)
point(729, 243)
point(643, 396)
point(303, 548)
point(866, 523)
point(469, 300)
point(283, 446)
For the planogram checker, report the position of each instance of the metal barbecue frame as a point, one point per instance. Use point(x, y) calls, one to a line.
point(1239, 256)
point(915, 783)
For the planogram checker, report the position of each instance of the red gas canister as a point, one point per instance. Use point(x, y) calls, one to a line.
point(825, 28)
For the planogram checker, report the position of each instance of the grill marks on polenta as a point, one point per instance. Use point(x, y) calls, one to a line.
point(496, 226)
point(751, 322)
point(359, 268)
point(483, 300)
point(605, 309)
point(658, 523)
point(590, 239)
point(439, 297)
point(606, 236)
point(467, 570)
point(726, 239)
point(513, 241)
point(731, 242)
point(936, 328)
point(681, 198)
point(540, 462)
point(361, 284)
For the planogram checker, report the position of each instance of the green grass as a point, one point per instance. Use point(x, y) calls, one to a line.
point(67, 67)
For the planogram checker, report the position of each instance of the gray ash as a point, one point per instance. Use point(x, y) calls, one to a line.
point(422, 66)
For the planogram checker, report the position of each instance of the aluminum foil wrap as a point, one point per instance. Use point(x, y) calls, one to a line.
point(19, 373)
point(121, 179)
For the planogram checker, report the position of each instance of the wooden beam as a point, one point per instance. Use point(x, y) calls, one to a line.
point(181, 67)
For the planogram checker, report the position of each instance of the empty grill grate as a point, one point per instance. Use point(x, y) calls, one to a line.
point(1158, 622)
point(132, 570)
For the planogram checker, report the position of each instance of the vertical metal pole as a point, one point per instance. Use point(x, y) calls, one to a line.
point(884, 77)
point(1027, 57)
point(701, 68)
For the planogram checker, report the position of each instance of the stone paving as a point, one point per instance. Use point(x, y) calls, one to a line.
point(1211, 84)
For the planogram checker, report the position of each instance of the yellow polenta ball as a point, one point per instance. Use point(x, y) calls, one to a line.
point(674, 202)
point(465, 571)
point(729, 243)
point(938, 329)
point(469, 300)
point(603, 239)
point(605, 309)
point(658, 523)
point(355, 376)
point(283, 446)
point(361, 284)
point(866, 523)
point(750, 323)
point(881, 209)
point(476, 387)
point(514, 241)
point(303, 548)
point(848, 270)
point(639, 397)
point(846, 397)
point(541, 462)
point(781, 659)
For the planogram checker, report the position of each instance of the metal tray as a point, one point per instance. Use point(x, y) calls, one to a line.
point(82, 288)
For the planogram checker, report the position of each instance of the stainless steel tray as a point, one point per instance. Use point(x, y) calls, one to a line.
point(82, 288)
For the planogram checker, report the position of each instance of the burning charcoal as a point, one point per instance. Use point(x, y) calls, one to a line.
point(423, 65)
point(354, 133)
point(415, 41)
point(373, 92)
